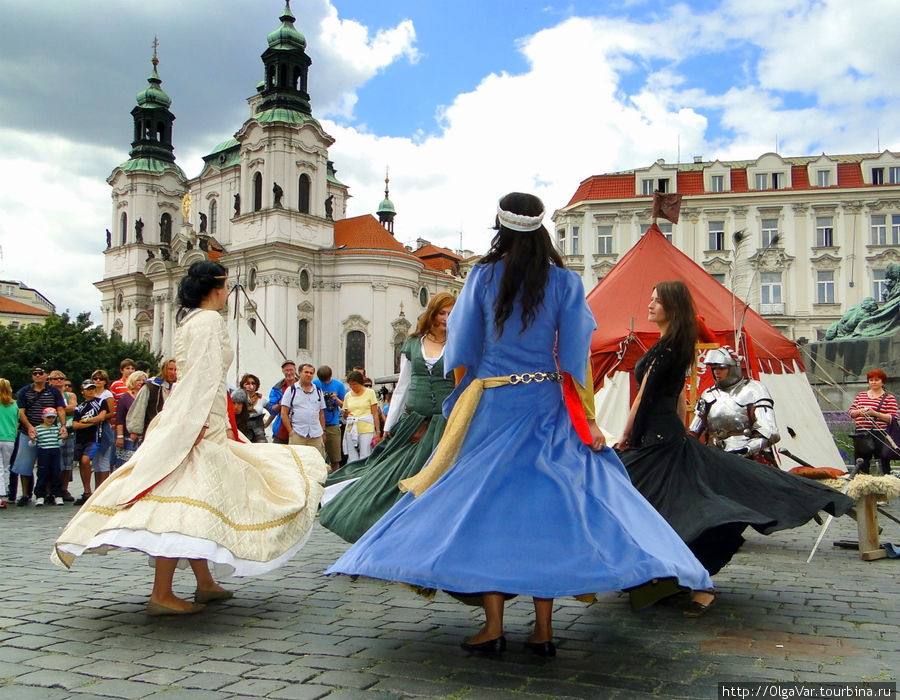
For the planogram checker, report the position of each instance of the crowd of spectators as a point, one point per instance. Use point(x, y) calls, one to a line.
point(46, 432)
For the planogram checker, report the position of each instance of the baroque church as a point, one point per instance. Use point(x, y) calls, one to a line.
point(309, 284)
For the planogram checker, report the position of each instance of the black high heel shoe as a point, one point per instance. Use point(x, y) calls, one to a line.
point(541, 648)
point(492, 646)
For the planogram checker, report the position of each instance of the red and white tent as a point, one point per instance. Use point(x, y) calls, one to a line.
point(619, 304)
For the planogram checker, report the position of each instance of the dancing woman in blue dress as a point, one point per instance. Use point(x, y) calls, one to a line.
point(513, 501)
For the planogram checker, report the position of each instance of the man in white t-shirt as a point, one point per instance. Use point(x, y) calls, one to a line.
point(303, 411)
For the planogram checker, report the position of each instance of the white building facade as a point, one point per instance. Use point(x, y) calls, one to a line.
point(801, 239)
point(267, 205)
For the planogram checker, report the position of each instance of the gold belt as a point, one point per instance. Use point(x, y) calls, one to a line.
point(458, 425)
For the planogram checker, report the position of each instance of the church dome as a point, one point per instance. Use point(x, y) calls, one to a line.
point(153, 95)
point(386, 207)
point(286, 36)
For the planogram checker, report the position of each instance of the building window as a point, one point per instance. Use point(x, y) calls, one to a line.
point(666, 228)
point(575, 250)
point(719, 277)
point(662, 185)
point(823, 178)
point(303, 204)
point(879, 229)
point(251, 323)
point(604, 240)
point(304, 280)
point(257, 192)
point(717, 183)
point(777, 181)
point(303, 334)
point(561, 241)
point(762, 181)
point(770, 288)
point(165, 229)
point(251, 279)
point(356, 350)
point(423, 297)
point(895, 229)
point(894, 175)
point(213, 216)
point(716, 235)
point(879, 284)
point(877, 176)
point(769, 232)
point(825, 286)
point(824, 232)
point(123, 228)
point(647, 186)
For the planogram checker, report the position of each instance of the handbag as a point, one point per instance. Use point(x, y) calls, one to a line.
point(890, 449)
point(864, 444)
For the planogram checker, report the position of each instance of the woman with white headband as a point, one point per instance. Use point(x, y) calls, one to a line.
point(520, 498)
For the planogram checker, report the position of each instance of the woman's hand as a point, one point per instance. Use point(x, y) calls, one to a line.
point(598, 439)
point(386, 434)
point(624, 442)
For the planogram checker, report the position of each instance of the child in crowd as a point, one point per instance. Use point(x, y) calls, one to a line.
point(87, 421)
point(49, 442)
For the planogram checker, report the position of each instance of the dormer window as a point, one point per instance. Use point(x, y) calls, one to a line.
point(877, 176)
point(823, 178)
point(717, 183)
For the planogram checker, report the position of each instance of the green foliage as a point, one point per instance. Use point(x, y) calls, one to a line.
point(76, 347)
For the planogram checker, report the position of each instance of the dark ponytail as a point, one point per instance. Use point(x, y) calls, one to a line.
point(202, 277)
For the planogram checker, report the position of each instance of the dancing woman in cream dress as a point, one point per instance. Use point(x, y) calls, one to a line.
point(191, 493)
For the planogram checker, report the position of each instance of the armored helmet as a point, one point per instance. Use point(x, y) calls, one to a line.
point(725, 357)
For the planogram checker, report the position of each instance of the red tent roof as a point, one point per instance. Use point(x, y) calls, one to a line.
point(619, 304)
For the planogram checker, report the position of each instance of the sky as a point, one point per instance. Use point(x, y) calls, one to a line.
point(463, 101)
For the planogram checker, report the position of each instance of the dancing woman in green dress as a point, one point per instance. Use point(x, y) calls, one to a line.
point(360, 493)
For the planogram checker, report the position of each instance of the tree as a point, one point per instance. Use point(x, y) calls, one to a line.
point(75, 347)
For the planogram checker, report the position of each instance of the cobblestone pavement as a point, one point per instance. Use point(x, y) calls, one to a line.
point(296, 634)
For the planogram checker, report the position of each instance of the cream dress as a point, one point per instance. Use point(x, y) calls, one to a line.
point(246, 508)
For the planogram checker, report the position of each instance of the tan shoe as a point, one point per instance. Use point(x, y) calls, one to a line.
point(157, 609)
point(201, 596)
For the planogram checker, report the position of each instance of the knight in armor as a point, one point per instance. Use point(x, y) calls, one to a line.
point(737, 414)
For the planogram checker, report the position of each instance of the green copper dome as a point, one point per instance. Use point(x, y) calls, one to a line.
point(153, 95)
point(386, 207)
point(286, 36)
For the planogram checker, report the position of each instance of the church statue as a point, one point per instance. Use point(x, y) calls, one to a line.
point(108, 239)
point(868, 320)
point(139, 231)
point(237, 205)
point(845, 327)
point(164, 253)
point(202, 222)
point(278, 193)
point(329, 207)
point(150, 255)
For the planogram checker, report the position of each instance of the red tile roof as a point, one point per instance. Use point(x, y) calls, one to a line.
point(11, 306)
point(364, 232)
point(738, 180)
point(605, 187)
point(850, 175)
point(690, 182)
point(430, 249)
point(799, 177)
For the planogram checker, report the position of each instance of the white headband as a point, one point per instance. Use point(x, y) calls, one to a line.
point(519, 222)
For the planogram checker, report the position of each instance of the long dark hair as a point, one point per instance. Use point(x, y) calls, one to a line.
point(676, 299)
point(527, 257)
point(202, 277)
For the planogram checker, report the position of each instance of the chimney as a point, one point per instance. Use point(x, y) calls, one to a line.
point(698, 159)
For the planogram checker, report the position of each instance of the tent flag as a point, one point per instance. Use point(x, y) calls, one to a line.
point(667, 206)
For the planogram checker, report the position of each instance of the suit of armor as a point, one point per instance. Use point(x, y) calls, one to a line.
point(737, 413)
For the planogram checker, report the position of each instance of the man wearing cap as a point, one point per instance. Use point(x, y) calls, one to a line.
point(32, 400)
point(87, 421)
point(279, 432)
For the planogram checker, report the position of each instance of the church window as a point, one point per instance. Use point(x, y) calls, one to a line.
point(251, 279)
point(304, 280)
point(304, 194)
point(423, 297)
point(356, 350)
point(213, 216)
point(165, 229)
point(160, 131)
point(296, 80)
point(257, 192)
point(120, 302)
point(251, 323)
point(303, 334)
point(123, 227)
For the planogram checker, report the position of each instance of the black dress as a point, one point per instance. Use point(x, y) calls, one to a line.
point(709, 497)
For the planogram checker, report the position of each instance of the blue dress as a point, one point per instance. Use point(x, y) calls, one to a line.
point(527, 508)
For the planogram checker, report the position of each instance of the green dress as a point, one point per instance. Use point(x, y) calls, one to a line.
point(358, 506)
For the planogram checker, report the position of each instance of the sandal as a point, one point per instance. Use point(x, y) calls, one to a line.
point(697, 609)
